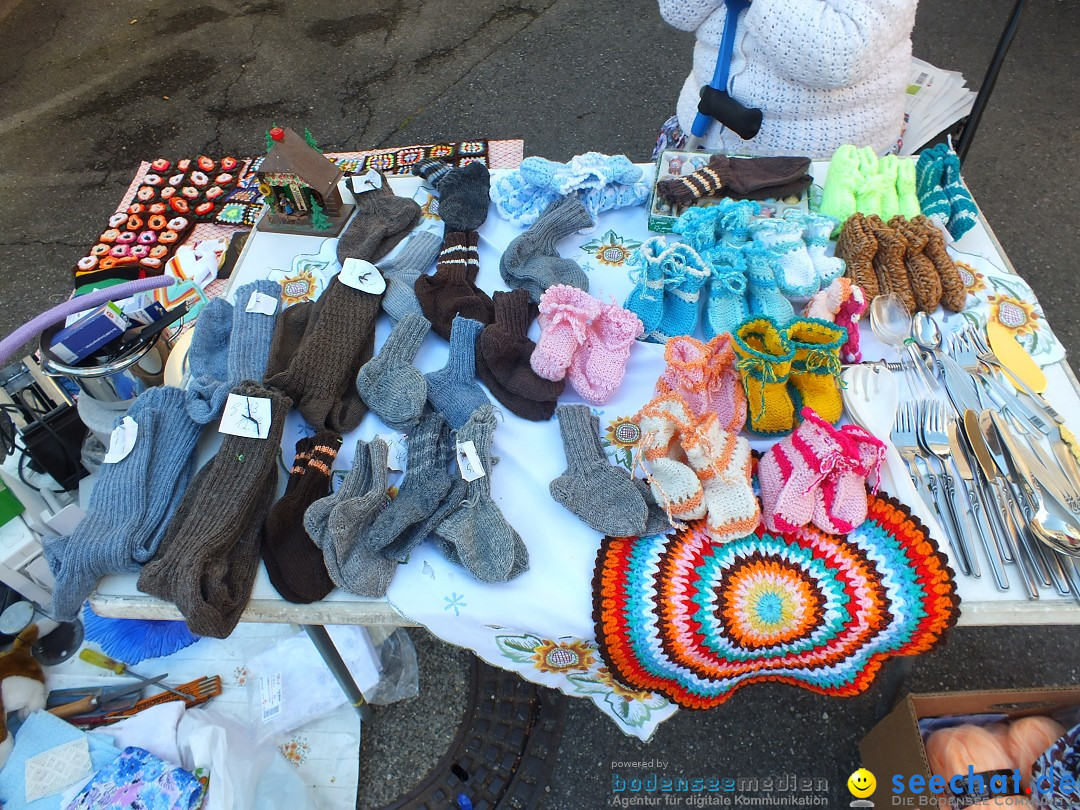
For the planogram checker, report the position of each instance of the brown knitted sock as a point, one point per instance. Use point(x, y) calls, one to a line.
point(759, 178)
point(925, 281)
point(953, 292)
point(502, 360)
point(857, 246)
point(321, 376)
point(382, 220)
point(706, 180)
point(889, 265)
point(452, 289)
point(208, 559)
point(293, 561)
point(288, 333)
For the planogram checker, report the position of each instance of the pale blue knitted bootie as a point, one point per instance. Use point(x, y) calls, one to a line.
point(816, 231)
point(698, 227)
point(646, 300)
point(795, 272)
point(763, 296)
point(736, 216)
point(726, 307)
point(685, 273)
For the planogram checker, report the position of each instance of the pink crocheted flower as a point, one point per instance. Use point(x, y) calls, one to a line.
point(565, 313)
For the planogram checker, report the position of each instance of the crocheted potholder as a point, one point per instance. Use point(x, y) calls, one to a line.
point(695, 621)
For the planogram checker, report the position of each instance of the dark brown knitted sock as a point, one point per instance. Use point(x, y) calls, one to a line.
point(321, 376)
point(502, 361)
point(452, 289)
point(382, 220)
point(709, 179)
point(293, 561)
point(953, 293)
point(889, 264)
point(288, 334)
point(925, 281)
point(208, 559)
point(857, 246)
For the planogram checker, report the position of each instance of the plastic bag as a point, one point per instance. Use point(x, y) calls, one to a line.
point(400, 673)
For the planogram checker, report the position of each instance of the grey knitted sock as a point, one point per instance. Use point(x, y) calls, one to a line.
point(401, 272)
point(532, 262)
point(657, 521)
point(598, 493)
point(425, 486)
point(464, 193)
point(453, 389)
point(388, 383)
point(252, 333)
point(208, 361)
point(476, 534)
point(131, 504)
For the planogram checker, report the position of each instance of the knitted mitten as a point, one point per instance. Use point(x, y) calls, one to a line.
point(208, 362)
point(565, 312)
point(857, 246)
point(463, 193)
point(685, 272)
point(726, 307)
point(400, 527)
point(705, 181)
point(763, 296)
point(925, 281)
point(401, 272)
point(503, 351)
point(294, 563)
point(929, 184)
point(765, 356)
point(131, 504)
point(721, 460)
point(603, 496)
point(646, 300)
point(207, 562)
point(673, 484)
point(476, 534)
point(453, 390)
point(382, 220)
point(452, 291)
point(598, 368)
point(791, 471)
point(532, 262)
point(888, 172)
point(847, 318)
point(795, 275)
point(953, 291)
point(704, 375)
point(838, 195)
point(815, 368)
point(906, 194)
point(321, 377)
point(963, 211)
point(388, 383)
point(840, 504)
point(816, 231)
point(892, 274)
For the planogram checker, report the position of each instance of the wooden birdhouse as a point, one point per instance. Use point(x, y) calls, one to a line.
point(300, 186)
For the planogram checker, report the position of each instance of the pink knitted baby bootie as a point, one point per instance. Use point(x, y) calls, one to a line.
point(704, 374)
point(565, 313)
point(597, 370)
point(840, 505)
point(721, 460)
point(792, 470)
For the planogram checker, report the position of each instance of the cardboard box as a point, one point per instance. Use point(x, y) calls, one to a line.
point(88, 334)
point(895, 745)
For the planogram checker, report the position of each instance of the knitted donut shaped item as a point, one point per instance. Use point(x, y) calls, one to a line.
point(117, 219)
point(99, 250)
point(157, 222)
point(135, 222)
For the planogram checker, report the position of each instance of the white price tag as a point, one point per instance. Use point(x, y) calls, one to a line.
point(247, 416)
point(262, 303)
point(397, 451)
point(469, 462)
point(122, 440)
point(270, 696)
point(368, 181)
point(363, 276)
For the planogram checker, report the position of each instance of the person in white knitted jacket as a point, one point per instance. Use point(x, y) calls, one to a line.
point(823, 72)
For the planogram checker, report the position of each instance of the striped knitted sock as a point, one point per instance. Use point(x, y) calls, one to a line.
point(963, 213)
point(684, 190)
point(452, 291)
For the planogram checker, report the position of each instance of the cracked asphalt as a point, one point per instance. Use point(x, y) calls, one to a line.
point(87, 89)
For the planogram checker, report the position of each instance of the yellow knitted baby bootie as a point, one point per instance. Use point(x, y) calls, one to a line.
point(815, 370)
point(764, 361)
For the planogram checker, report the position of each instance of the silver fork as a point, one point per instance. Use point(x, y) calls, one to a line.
point(969, 345)
point(935, 441)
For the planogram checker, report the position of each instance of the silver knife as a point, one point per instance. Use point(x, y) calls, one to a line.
point(1006, 397)
point(961, 387)
point(961, 457)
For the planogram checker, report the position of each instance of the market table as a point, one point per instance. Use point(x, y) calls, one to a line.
point(517, 624)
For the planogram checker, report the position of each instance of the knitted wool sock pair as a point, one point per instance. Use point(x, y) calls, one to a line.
point(818, 475)
point(208, 559)
point(604, 497)
point(294, 563)
point(382, 220)
point(705, 376)
point(942, 193)
point(783, 369)
point(503, 353)
point(860, 181)
point(402, 271)
point(531, 261)
point(452, 291)
point(453, 390)
point(463, 193)
point(131, 504)
point(844, 304)
point(389, 385)
point(668, 280)
point(229, 345)
point(585, 341)
point(760, 178)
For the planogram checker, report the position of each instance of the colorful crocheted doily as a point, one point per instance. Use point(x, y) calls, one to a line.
point(695, 621)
